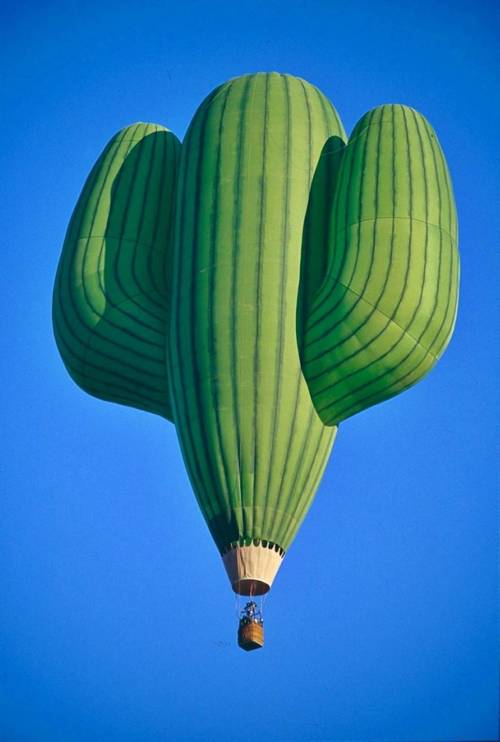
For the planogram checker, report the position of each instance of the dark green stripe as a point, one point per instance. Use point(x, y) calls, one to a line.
point(257, 370)
point(281, 295)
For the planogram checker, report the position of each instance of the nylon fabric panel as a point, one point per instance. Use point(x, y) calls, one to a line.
point(251, 438)
point(110, 304)
point(387, 307)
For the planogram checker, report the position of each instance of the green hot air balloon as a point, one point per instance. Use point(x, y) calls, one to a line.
point(257, 285)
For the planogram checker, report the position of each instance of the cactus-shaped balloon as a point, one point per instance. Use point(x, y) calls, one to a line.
point(256, 286)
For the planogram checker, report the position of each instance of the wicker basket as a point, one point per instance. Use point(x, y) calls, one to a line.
point(251, 636)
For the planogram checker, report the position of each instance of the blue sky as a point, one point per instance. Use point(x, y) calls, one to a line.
point(116, 617)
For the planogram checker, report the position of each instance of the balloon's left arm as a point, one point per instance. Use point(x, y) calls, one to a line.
point(112, 290)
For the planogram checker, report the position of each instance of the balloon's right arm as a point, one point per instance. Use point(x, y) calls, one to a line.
point(386, 309)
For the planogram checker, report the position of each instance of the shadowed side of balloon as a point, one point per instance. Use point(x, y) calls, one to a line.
point(129, 343)
point(316, 232)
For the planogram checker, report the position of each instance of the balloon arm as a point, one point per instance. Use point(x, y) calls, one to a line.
point(111, 302)
point(386, 309)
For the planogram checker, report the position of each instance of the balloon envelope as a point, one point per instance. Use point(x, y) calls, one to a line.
point(258, 285)
point(252, 440)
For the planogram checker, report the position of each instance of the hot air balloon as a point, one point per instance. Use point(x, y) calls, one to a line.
point(256, 286)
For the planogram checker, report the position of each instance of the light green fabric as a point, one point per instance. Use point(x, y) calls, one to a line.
point(260, 284)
